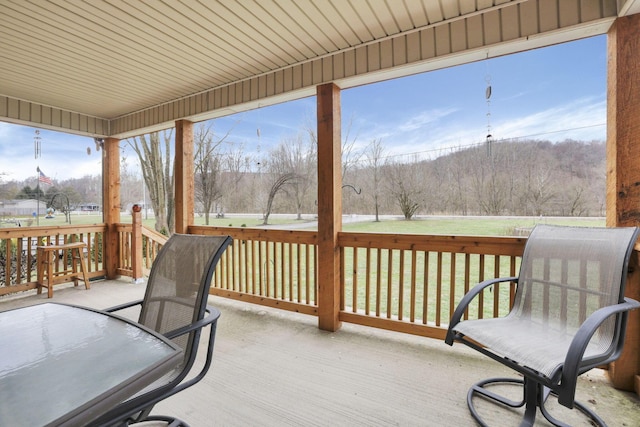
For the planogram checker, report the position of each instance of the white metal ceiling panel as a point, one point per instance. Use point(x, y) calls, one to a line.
point(109, 59)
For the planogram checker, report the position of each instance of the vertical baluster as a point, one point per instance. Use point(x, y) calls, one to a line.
point(439, 289)
point(582, 308)
point(467, 279)
point(425, 290)
point(367, 284)
point(298, 273)
point(389, 282)
point(401, 285)
point(414, 278)
point(545, 295)
point(378, 280)
point(254, 265)
point(496, 287)
point(354, 288)
point(564, 279)
point(237, 268)
point(290, 261)
point(482, 266)
point(452, 285)
point(307, 278)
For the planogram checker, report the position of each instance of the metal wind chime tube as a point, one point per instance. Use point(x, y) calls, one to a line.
point(37, 151)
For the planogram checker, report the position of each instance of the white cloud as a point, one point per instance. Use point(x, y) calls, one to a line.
point(581, 119)
point(424, 118)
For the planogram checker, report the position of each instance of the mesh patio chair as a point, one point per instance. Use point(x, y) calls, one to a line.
point(569, 316)
point(175, 305)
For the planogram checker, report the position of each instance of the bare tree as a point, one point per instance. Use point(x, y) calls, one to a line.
point(540, 181)
point(207, 167)
point(296, 157)
point(130, 188)
point(487, 180)
point(405, 185)
point(157, 171)
point(278, 185)
point(240, 193)
point(373, 155)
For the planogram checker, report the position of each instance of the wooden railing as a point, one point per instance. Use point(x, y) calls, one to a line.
point(407, 283)
point(150, 243)
point(277, 268)
point(412, 283)
point(18, 269)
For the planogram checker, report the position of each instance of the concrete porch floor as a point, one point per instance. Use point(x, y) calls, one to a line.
point(276, 368)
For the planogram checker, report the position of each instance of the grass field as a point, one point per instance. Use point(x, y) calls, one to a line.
point(467, 226)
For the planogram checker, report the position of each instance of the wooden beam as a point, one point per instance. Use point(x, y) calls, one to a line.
point(623, 171)
point(329, 206)
point(111, 203)
point(184, 184)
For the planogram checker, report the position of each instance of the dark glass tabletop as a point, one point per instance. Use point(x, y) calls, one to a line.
point(66, 365)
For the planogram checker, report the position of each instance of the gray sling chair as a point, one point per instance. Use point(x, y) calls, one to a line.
point(569, 315)
point(175, 305)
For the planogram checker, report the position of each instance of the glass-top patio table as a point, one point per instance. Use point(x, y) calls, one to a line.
point(66, 365)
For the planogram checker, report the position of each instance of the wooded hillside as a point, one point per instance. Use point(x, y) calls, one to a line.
point(503, 178)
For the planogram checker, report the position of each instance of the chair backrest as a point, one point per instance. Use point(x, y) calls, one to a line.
point(178, 287)
point(567, 273)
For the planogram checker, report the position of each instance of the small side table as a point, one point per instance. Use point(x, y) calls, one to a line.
point(48, 256)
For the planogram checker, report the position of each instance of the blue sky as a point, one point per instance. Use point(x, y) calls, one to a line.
point(553, 93)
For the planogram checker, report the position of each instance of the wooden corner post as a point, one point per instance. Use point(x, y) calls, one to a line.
point(623, 173)
point(111, 203)
point(184, 185)
point(329, 206)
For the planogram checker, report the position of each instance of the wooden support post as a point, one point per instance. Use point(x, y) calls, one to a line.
point(329, 206)
point(623, 173)
point(184, 185)
point(111, 203)
point(136, 243)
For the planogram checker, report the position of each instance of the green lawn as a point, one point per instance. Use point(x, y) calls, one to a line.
point(468, 226)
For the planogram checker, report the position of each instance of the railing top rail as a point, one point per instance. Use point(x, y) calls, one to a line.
point(17, 232)
point(259, 234)
point(154, 235)
point(439, 243)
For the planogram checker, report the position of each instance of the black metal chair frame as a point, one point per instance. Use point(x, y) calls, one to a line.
point(138, 408)
point(537, 387)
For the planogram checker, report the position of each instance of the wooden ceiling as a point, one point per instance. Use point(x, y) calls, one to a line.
point(124, 67)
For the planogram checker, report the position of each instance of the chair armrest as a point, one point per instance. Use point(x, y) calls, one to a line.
point(123, 306)
point(211, 319)
point(214, 314)
point(466, 300)
point(571, 367)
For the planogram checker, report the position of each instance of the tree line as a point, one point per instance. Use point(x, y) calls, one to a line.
point(510, 177)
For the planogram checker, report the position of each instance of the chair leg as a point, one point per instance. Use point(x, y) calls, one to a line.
point(595, 419)
point(534, 397)
point(479, 389)
point(171, 421)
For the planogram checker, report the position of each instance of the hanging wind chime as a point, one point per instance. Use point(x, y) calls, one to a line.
point(487, 95)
